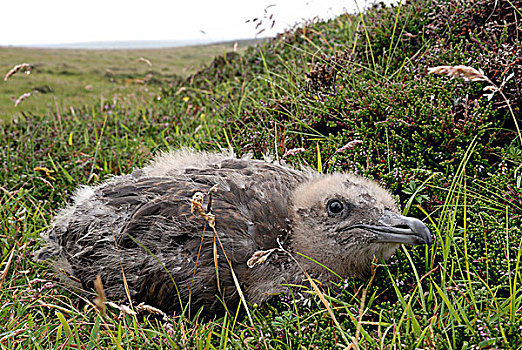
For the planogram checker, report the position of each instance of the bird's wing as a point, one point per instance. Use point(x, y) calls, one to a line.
point(250, 201)
point(160, 210)
point(144, 226)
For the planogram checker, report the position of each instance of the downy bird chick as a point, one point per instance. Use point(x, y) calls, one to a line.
point(140, 227)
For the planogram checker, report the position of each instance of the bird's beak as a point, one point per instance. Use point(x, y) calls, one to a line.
point(396, 228)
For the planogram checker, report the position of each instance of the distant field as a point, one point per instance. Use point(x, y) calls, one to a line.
point(76, 78)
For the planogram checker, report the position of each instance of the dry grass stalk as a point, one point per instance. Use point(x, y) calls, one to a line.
point(346, 147)
point(349, 145)
point(21, 98)
point(124, 310)
point(18, 68)
point(143, 59)
point(460, 71)
point(45, 182)
point(6, 269)
point(45, 170)
point(13, 334)
point(68, 275)
point(100, 299)
point(260, 257)
point(197, 206)
point(150, 309)
point(293, 152)
point(6, 192)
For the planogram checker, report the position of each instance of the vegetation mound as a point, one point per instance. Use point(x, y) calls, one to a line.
point(352, 93)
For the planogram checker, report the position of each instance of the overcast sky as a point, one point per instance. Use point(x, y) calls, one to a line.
point(71, 21)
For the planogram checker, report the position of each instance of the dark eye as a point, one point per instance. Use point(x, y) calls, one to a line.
point(335, 206)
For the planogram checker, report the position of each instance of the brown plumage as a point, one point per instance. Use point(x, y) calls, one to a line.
point(141, 224)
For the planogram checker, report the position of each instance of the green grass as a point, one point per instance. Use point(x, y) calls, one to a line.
point(449, 154)
point(77, 78)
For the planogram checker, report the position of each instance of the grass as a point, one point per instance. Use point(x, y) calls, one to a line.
point(451, 155)
point(74, 78)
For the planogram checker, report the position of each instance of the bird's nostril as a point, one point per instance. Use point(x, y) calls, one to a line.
point(403, 226)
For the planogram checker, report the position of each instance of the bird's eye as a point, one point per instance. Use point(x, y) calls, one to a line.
point(335, 206)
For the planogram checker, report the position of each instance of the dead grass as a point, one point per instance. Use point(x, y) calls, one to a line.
point(18, 68)
point(460, 71)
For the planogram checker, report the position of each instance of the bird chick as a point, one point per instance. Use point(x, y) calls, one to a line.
point(139, 229)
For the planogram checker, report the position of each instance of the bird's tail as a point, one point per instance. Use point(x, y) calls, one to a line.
point(52, 254)
point(46, 253)
point(51, 249)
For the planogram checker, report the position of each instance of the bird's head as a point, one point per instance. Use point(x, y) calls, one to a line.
point(343, 221)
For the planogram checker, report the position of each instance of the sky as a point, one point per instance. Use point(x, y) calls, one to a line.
point(37, 22)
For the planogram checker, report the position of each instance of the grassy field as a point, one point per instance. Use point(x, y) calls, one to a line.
point(449, 148)
point(65, 78)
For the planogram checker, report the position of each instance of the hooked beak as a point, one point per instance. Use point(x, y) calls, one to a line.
point(396, 228)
